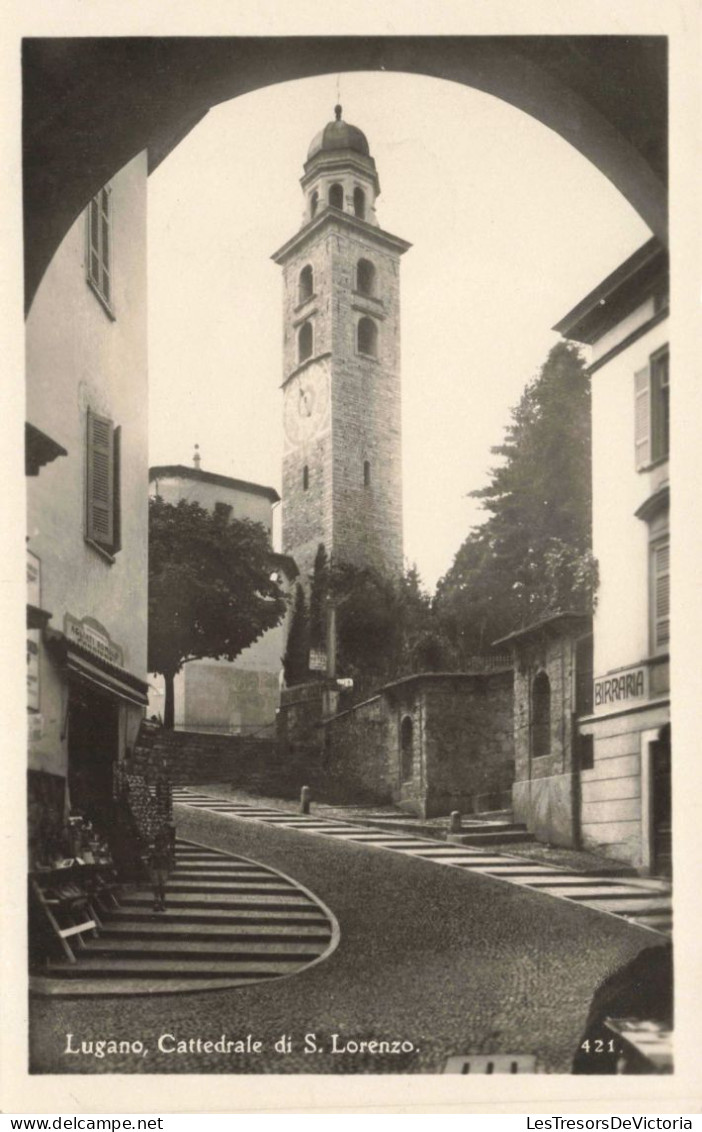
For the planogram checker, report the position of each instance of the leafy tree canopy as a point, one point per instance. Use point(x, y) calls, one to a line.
point(211, 591)
point(533, 555)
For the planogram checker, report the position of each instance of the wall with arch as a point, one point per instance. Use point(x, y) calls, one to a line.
point(430, 743)
point(545, 794)
point(606, 95)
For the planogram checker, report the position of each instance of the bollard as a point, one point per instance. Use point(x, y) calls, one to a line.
point(305, 800)
point(455, 822)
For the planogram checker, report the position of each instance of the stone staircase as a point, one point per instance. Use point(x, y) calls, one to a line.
point(494, 828)
point(229, 922)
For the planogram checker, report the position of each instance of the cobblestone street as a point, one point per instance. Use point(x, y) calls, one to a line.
point(452, 964)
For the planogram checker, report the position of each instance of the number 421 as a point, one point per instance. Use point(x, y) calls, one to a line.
point(599, 1045)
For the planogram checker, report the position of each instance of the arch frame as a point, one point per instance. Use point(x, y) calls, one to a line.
point(605, 95)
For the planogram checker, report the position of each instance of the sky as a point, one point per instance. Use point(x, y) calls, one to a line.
point(509, 225)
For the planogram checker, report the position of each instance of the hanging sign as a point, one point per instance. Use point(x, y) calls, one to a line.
point(93, 637)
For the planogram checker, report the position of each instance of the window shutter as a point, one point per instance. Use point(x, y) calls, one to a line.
point(100, 495)
point(661, 595)
point(116, 491)
point(642, 417)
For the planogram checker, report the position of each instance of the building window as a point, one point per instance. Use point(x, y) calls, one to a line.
point(406, 745)
point(541, 716)
point(586, 751)
point(336, 196)
point(305, 478)
point(651, 392)
point(103, 519)
point(359, 203)
point(314, 204)
point(306, 284)
point(660, 596)
point(366, 473)
point(99, 250)
point(304, 342)
point(365, 277)
point(367, 338)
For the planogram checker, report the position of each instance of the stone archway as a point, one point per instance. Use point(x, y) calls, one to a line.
point(89, 105)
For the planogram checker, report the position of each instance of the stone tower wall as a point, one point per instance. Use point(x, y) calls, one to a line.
point(307, 515)
point(357, 523)
point(367, 520)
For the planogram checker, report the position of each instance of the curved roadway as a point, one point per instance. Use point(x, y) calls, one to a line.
point(445, 962)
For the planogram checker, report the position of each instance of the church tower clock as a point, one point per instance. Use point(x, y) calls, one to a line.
point(342, 475)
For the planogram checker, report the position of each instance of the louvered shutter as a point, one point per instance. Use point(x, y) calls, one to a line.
point(661, 596)
point(642, 417)
point(117, 486)
point(100, 501)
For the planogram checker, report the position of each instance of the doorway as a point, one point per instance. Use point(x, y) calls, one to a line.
point(93, 740)
point(661, 809)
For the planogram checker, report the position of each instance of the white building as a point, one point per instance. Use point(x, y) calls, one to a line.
point(87, 462)
point(221, 696)
point(625, 783)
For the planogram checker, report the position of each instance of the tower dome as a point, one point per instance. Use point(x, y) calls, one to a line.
point(338, 135)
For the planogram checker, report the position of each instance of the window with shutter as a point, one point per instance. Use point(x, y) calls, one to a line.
point(642, 417)
point(99, 251)
point(103, 484)
point(651, 398)
point(660, 596)
point(660, 372)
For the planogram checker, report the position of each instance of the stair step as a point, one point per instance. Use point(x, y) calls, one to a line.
point(193, 900)
point(188, 949)
point(209, 915)
point(231, 885)
point(208, 872)
point(169, 968)
point(489, 838)
point(156, 928)
point(602, 892)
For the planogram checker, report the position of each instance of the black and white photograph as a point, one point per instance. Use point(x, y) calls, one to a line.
point(348, 445)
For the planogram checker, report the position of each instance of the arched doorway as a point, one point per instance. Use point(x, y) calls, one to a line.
point(74, 144)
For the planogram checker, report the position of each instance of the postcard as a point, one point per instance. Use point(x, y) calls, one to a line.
point(353, 635)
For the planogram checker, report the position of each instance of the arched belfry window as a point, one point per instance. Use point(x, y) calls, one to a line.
point(541, 715)
point(406, 748)
point(305, 478)
point(314, 204)
point(366, 473)
point(359, 203)
point(306, 283)
point(365, 277)
point(367, 337)
point(336, 196)
point(304, 342)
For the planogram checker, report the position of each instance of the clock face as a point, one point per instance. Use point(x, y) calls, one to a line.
point(306, 403)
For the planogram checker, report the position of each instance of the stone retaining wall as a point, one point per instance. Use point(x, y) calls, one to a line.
point(264, 766)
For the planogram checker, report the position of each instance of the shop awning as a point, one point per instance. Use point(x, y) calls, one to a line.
point(100, 674)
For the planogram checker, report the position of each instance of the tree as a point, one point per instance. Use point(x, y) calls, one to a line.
point(533, 554)
point(385, 625)
point(319, 591)
point(211, 590)
point(296, 662)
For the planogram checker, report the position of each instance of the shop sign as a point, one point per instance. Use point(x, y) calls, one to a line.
point(91, 635)
point(33, 669)
point(33, 580)
point(620, 687)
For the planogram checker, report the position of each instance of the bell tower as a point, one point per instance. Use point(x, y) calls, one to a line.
point(342, 474)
